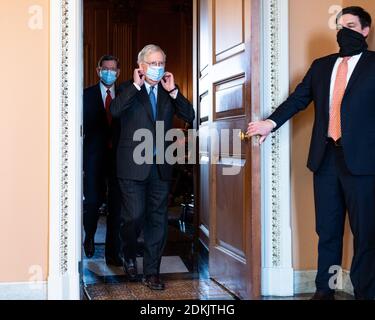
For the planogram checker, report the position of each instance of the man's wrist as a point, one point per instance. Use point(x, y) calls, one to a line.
point(274, 124)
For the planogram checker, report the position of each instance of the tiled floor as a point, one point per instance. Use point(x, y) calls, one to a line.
point(198, 289)
point(192, 285)
point(179, 286)
point(103, 283)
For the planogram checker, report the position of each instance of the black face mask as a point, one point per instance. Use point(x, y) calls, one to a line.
point(351, 42)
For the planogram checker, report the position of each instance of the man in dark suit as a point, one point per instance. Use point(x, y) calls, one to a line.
point(150, 98)
point(342, 150)
point(100, 140)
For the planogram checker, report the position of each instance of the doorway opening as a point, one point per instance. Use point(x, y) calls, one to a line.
point(122, 29)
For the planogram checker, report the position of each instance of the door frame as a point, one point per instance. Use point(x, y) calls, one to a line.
point(277, 275)
point(277, 267)
point(65, 190)
point(65, 182)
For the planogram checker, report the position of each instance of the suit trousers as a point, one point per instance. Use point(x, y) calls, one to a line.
point(145, 205)
point(101, 186)
point(336, 192)
point(113, 248)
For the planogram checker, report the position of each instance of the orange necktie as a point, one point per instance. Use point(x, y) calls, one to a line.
point(334, 129)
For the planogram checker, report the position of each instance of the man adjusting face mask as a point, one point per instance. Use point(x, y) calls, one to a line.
point(155, 73)
point(351, 42)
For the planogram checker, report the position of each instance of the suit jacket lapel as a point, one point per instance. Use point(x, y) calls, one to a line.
point(145, 99)
point(99, 97)
point(327, 82)
point(358, 70)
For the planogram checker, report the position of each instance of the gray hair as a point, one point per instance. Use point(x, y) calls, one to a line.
point(151, 48)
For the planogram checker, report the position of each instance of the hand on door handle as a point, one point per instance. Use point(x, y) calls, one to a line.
point(261, 129)
point(246, 137)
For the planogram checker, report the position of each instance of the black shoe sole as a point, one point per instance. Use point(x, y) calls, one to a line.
point(150, 286)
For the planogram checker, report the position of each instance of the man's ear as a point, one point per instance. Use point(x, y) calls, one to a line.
point(366, 31)
point(98, 71)
point(118, 72)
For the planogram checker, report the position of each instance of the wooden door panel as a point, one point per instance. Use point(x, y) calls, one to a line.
point(204, 36)
point(231, 208)
point(124, 48)
point(101, 18)
point(228, 25)
point(229, 99)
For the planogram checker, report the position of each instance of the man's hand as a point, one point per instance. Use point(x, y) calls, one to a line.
point(168, 82)
point(139, 77)
point(260, 128)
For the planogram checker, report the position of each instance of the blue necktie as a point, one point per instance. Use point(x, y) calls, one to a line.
point(153, 102)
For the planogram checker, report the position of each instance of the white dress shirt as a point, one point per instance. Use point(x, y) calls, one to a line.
point(103, 90)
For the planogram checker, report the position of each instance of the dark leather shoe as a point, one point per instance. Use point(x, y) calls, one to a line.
point(322, 295)
point(89, 247)
point(130, 268)
point(154, 282)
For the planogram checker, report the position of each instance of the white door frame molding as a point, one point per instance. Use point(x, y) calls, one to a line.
point(66, 87)
point(277, 270)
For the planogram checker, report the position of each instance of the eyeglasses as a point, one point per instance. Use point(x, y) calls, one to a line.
point(155, 64)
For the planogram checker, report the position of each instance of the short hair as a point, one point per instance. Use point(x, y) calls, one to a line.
point(108, 57)
point(362, 14)
point(151, 48)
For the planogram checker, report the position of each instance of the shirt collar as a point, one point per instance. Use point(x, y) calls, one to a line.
point(352, 58)
point(148, 86)
point(104, 89)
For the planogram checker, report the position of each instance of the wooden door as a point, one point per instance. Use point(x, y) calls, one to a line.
point(228, 89)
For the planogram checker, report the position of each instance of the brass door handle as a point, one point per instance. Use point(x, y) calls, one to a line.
point(244, 136)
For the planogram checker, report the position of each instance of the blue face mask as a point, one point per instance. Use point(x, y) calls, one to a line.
point(155, 73)
point(108, 77)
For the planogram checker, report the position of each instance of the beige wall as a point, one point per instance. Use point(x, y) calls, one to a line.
point(310, 38)
point(24, 142)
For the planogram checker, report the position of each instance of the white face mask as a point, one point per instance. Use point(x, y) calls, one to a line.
point(155, 73)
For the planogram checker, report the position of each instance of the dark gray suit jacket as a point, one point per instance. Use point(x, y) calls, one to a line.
point(133, 107)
